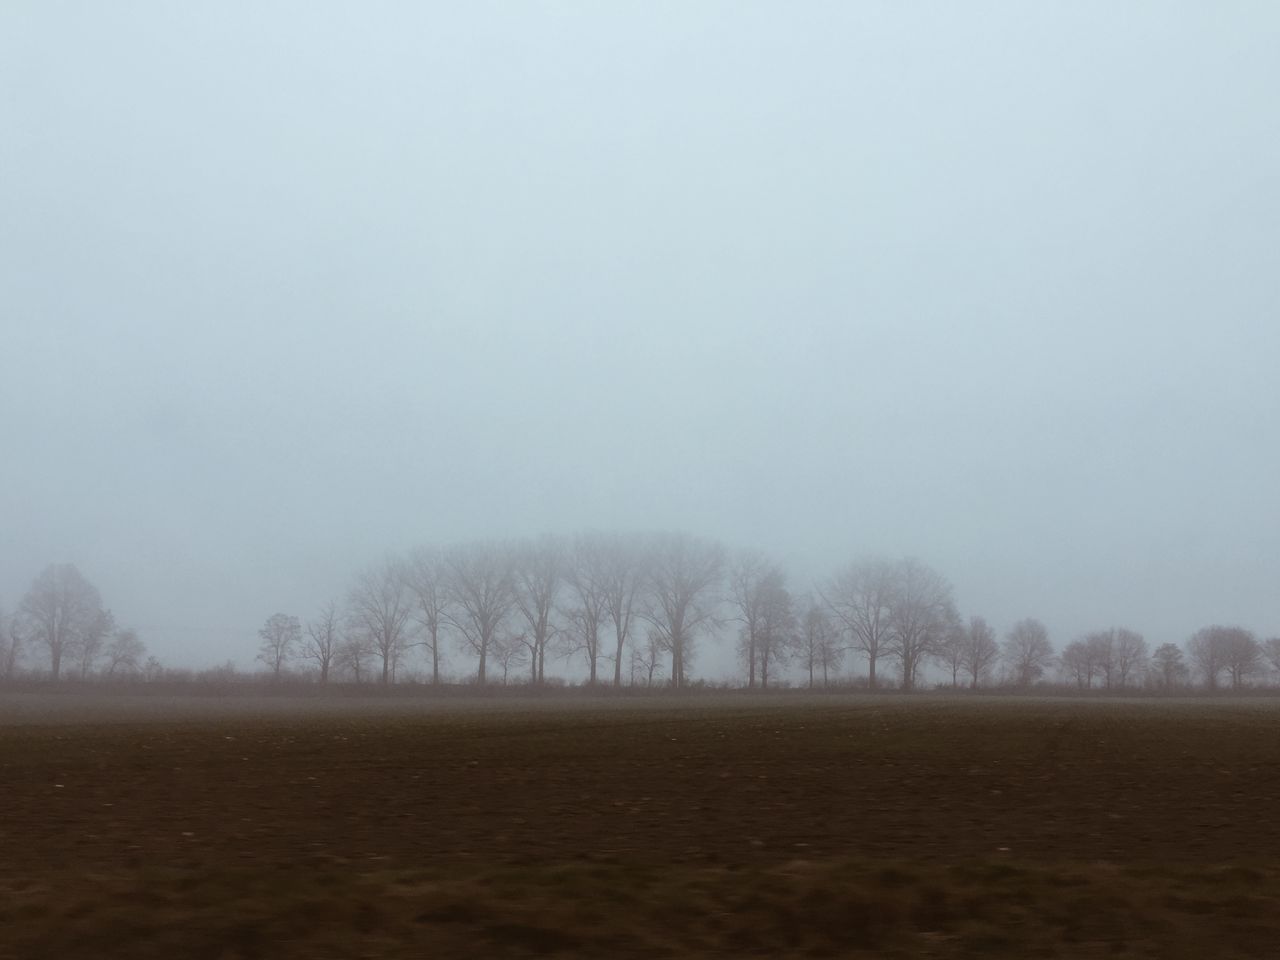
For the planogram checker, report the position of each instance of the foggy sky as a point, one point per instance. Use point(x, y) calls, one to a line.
point(286, 285)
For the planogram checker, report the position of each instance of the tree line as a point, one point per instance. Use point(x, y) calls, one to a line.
point(632, 609)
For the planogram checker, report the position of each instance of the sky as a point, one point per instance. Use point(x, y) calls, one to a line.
point(286, 286)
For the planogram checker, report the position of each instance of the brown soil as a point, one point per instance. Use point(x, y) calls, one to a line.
point(863, 827)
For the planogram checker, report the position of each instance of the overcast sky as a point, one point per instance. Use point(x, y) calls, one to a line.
point(286, 285)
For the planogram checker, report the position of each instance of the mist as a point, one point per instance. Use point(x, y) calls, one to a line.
point(288, 287)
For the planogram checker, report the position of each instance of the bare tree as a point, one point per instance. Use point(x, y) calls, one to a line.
point(379, 606)
point(646, 658)
point(280, 634)
point(1079, 662)
point(481, 594)
point(1129, 657)
point(1169, 667)
point(758, 593)
point(1027, 651)
point(820, 647)
point(680, 601)
point(428, 579)
point(1242, 656)
point(980, 651)
point(1217, 649)
point(124, 653)
point(1271, 652)
point(921, 616)
point(537, 575)
point(353, 653)
point(861, 597)
point(951, 651)
point(89, 648)
point(61, 608)
point(10, 645)
point(586, 610)
point(324, 640)
point(508, 652)
point(621, 562)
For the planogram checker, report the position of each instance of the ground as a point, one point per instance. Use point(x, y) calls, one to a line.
point(729, 826)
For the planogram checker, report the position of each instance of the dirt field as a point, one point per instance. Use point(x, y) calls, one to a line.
point(132, 827)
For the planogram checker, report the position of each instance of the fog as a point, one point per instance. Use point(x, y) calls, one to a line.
point(286, 286)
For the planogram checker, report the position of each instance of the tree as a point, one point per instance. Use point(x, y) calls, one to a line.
point(537, 575)
point(1271, 652)
point(1079, 662)
point(683, 578)
point(428, 580)
point(10, 645)
point(860, 596)
point(621, 564)
point(280, 634)
point(379, 606)
point(354, 652)
point(758, 592)
point(587, 587)
point(1129, 657)
point(124, 653)
point(1242, 656)
point(481, 594)
point(89, 649)
point(323, 640)
point(1169, 667)
point(921, 616)
point(1217, 649)
point(61, 608)
point(1027, 651)
point(951, 652)
point(820, 648)
point(646, 658)
point(980, 651)
point(508, 652)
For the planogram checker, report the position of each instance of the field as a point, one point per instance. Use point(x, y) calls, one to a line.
point(864, 826)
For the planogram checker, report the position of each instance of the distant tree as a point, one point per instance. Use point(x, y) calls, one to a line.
point(87, 651)
point(280, 635)
point(587, 588)
point(1169, 667)
point(537, 577)
point(124, 653)
point(861, 598)
point(508, 651)
point(763, 606)
point(1271, 652)
point(820, 647)
point(379, 606)
point(323, 640)
point(921, 615)
point(646, 658)
point(1027, 652)
point(1079, 662)
point(951, 651)
point(980, 651)
point(683, 580)
point(1242, 656)
point(481, 594)
point(1129, 657)
point(152, 670)
point(354, 653)
point(1217, 649)
point(10, 645)
point(622, 570)
point(61, 608)
point(428, 580)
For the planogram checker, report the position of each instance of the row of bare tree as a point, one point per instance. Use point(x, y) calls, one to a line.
point(636, 604)
point(63, 614)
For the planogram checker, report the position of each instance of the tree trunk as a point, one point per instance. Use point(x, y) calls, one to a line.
point(871, 671)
